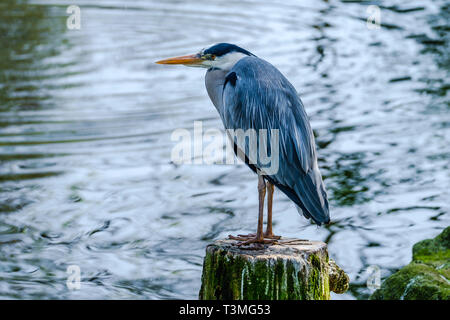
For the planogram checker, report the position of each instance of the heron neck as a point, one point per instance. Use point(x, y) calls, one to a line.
point(214, 81)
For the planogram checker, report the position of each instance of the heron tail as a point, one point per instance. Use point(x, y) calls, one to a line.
point(313, 200)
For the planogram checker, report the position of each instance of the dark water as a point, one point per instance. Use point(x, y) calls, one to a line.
point(86, 121)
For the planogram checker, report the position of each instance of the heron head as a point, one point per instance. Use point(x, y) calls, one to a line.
point(219, 56)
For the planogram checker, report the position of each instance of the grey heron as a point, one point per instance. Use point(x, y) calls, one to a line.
point(250, 93)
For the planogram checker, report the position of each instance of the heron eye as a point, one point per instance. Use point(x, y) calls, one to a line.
point(209, 56)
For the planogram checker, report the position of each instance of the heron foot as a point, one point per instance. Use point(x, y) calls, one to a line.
point(247, 236)
point(270, 235)
point(251, 239)
point(267, 235)
point(242, 237)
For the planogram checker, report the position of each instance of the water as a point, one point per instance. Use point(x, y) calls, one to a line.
point(85, 139)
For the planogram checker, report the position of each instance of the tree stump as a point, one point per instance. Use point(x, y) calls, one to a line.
point(292, 269)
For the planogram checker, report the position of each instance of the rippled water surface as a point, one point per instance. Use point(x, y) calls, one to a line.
point(85, 138)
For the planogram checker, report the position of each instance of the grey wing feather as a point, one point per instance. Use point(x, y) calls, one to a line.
point(257, 96)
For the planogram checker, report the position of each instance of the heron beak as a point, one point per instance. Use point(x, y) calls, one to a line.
point(192, 59)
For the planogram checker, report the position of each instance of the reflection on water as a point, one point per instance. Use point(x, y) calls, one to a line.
point(86, 120)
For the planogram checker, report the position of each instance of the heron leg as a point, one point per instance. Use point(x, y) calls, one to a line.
point(262, 196)
point(259, 237)
point(269, 233)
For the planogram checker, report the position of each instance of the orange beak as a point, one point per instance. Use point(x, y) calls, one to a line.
point(186, 60)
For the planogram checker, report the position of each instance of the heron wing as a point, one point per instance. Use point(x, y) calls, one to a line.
point(257, 96)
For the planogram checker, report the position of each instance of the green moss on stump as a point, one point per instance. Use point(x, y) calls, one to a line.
point(427, 277)
point(294, 269)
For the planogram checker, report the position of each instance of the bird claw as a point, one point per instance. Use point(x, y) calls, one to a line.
point(250, 235)
point(240, 237)
point(253, 235)
point(251, 239)
point(271, 236)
